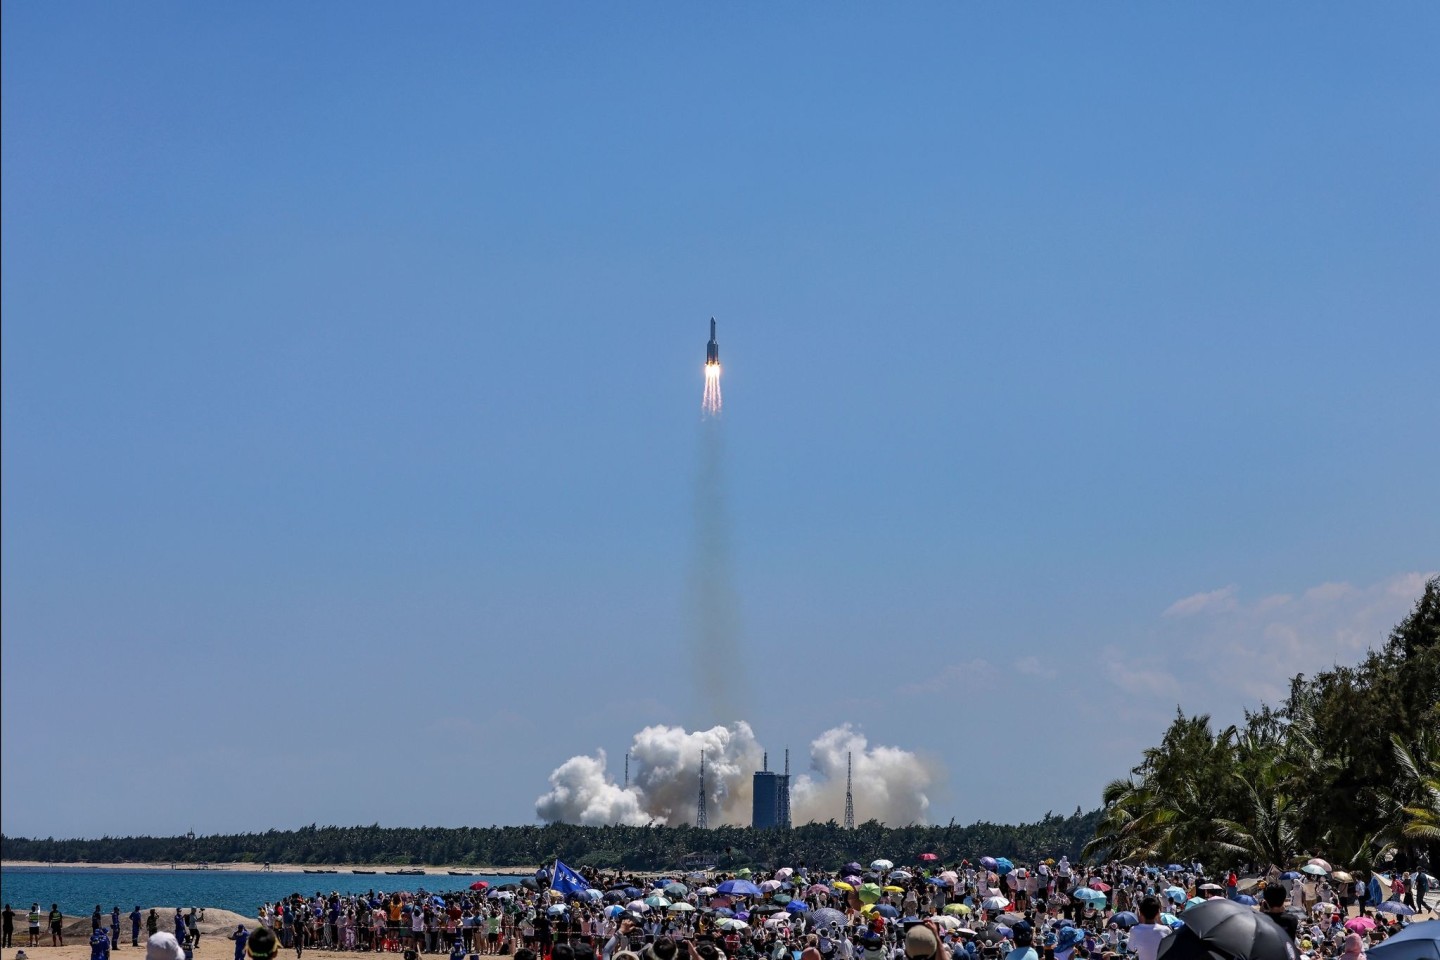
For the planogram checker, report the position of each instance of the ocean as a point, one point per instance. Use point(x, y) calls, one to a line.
point(78, 889)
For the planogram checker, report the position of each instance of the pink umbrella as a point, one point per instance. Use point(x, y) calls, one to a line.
point(770, 886)
point(927, 857)
point(815, 889)
point(1360, 925)
point(784, 873)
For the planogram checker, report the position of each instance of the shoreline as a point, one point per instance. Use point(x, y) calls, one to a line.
point(241, 867)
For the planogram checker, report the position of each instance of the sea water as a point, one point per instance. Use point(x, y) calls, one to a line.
point(78, 889)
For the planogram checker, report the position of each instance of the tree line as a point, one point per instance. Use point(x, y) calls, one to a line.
point(634, 848)
point(1347, 767)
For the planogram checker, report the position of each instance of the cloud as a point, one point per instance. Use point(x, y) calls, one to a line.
point(1216, 601)
point(952, 676)
point(1140, 676)
point(890, 784)
point(1032, 667)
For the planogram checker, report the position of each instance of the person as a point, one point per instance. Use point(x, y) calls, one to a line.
point(923, 942)
point(99, 944)
point(7, 927)
point(57, 926)
point(163, 946)
point(1272, 905)
point(241, 936)
point(261, 945)
point(1024, 935)
point(95, 920)
point(1354, 948)
point(180, 935)
point(135, 920)
point(34, 920)
point(1147, 935)
point(192, 926)
point(152, 923)
point(115, 927)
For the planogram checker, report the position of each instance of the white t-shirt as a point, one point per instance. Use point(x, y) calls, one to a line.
point(1145, 939)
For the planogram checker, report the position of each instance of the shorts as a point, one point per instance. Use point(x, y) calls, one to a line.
point(493, 937)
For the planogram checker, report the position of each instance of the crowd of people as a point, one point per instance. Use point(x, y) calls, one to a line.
point(989, 910)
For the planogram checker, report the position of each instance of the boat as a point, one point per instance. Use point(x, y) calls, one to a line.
point(406, 873)
point(362, 871)
point(461, 873)
point(322, 871)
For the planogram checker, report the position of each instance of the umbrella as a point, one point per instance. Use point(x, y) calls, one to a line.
point(988, 863)
point(637, 906)
point(928, 857)
point(499, 895)
point(1170, 920)
point(957, 909)
point(900, 875)
point(1175, 893)
point(881, 865)
point(769, 886)
point(1011, 918)
point(1314, 869)
point(842, 885)
point(1090, 894)
point(1397, 908)
point(1125, 919)
point(557, 909)
point(743, 874)
point(1244, 899)
point(894, 889)
point(1326, 908)
point(1322, 864)
point(590, 896)
point(784, 873)
point(530, 883)
point(887, 911)
point(681, 908)
point(1000, 903)
point(765, 909)
point(730, 923)
point(796, 906)
point(705, 891)
point(776, 922)
point(656, 901)
point(1104, 887)
point(1174, 867)
point(676, 891)
point(826, 917)
point(1002, 866)
point(851, 867)
point(1289, 875)
point(869, 892)
point(815, 889)
point(1360, 925)
point(1419, 941)
point(724, 912)
point(479, 885)
point(1342, 876)
point(739, 888)
point(1194, 901)
point(782, 899)
point(614, 910)
point(1224, 929)
point(1209, 886)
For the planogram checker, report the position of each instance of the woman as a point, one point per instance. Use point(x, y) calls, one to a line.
point(1354, 948)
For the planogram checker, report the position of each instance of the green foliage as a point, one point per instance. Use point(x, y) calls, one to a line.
point(1347, 766)
point(635, 848)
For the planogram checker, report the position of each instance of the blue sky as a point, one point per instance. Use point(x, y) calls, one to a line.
point(351, 381)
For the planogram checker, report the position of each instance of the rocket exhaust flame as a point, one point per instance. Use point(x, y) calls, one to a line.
point(710, 404)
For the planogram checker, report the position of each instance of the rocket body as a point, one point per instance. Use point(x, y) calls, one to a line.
point(712, 349)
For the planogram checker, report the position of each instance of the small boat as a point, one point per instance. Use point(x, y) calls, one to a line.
point(322, 871)
point(362, 871)
point(406, 873)
point(461, 873)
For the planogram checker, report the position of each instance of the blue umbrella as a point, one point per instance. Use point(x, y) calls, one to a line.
point(887, 911)
point(1397, 908)
point(1125, 919)
point(1289, 875)
point(739, 888)
point(724, 912)
point(1174, 866)
point(1175, 893)
point(796, 906)
point(1003, 865)
point(1244, 898)
point(1418, 941)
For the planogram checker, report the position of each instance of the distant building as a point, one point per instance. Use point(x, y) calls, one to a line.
point(771, 798)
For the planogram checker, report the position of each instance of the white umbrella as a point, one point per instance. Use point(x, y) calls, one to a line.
point(1322, 864)
point(995, 903)
point(784, 873)
point(900, 875)
point(1314, 869)
point(705, 891)
point(681, 908)
point(638, 906)
point(881, 865)
point(770, 886)
point(730, 923)
point(947, 921)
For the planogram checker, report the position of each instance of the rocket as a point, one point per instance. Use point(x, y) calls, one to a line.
point(712, 349)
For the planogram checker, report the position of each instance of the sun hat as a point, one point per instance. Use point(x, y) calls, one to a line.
point(920, 941)
point(163, 946)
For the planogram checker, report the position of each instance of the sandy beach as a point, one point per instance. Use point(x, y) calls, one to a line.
point(379, 869)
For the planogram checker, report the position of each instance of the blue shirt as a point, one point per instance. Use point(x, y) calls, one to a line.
point(240, 937)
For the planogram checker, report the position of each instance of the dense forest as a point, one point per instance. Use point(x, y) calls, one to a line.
point(636, 848)
point(1347, 767)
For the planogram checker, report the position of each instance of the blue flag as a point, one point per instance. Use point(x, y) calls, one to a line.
point(567, 881)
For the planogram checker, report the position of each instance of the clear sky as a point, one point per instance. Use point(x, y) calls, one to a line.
point(1079, 361)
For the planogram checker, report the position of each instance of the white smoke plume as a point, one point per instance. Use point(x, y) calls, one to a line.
point(890, 784)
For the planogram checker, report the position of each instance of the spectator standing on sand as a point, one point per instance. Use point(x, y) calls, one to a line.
point(57, 926)
point(115, 927)
point(180, 935)
point(241, 936)
point(7, 927)
point(135, 920)
point(34, 919)
point(152, 923)
point(192, 924)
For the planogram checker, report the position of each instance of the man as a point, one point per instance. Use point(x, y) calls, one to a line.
point(923, 942)
point(1024, 942)
point(1273, 906)
point(34, 920)
point(135, 921)
point(1147, 935)
point(260, 945)
point(57, 925)
point(7, 927)
point(115, 927)
point(241, 936)
point(99, 944)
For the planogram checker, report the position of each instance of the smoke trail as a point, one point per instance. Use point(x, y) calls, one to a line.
point(890, 785)
point(715, 654)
